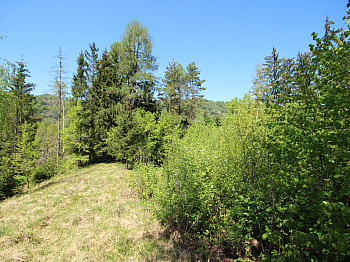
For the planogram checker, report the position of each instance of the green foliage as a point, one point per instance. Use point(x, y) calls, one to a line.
point(142, 136)
point(123, 140)
point(47, 106)
point(8, 183)
point(17, 148)
point(25, 156)
point(194, 87)
point(213, 180)
point(137, 64)
point(310, 156)
point(181, 90)
point(173, 89)
point(277, 176)
point(74, 136)
point(24, 100)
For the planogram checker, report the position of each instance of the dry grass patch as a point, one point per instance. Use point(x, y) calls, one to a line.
point(88, 215)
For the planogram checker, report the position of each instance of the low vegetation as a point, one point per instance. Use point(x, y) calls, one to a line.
point(87, 215)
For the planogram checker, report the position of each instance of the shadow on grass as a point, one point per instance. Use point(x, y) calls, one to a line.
point(171, 251)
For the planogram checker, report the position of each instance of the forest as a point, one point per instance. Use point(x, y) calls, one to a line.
point(263, 177)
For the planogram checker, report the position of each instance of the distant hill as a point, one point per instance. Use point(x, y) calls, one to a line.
point(47, 106)
point(214, 107)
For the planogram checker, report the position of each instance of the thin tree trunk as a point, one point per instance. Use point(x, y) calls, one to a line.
point(59, 106)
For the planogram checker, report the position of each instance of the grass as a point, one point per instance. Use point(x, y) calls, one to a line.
point(88, 215)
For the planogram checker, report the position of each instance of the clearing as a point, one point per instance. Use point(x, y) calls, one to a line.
point(90, 214)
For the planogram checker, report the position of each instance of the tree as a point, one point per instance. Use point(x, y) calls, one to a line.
point(24, 100)
point(194, 86)
point(80, 86)
point(260, 88)
point(173, 87)
point(137, 64)
point(91, 59)
point(75, 135)
point(7, 134)
point(60, 90)
point(25, 156)
point(124, 140)
point(108, 99)
point(310, 155)
point(6, 98)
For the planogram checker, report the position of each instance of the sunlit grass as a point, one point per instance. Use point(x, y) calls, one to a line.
point(88, 215)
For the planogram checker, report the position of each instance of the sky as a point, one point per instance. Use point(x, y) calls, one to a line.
point(227, 39)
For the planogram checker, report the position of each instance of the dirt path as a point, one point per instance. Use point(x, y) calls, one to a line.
point(89, 215)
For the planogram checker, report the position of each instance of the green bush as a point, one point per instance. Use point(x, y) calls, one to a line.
point(8, 183)
point(44, 172)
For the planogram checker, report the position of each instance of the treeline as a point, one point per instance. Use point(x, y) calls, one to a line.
point(19, 121)
point(118, 110)
point(115, 115)
point(271, 181)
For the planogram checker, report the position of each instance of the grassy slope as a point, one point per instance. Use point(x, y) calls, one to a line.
point(88, 215)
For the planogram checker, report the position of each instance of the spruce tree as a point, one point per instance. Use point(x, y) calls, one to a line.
point(24, 100)
point(174, 83)
point(80, 79)
point(194, 87)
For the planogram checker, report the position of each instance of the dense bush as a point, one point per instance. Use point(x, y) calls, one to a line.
point(262, 177)
point(211, 187)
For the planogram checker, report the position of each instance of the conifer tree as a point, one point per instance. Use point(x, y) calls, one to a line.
point(138, 65)
point(24, 100)
point(75, 136)
point(123, 140)
point(91, 59)
point(272, 74)
point(25, 156)
point(80, 79)
point(174, 83)
point(194, 87)
point(7, 134)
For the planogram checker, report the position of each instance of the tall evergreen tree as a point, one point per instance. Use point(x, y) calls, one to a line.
point(174, 83)
point(25, 156)
point(91, 58)
point(80, 79)
point(272, 74)
point(24, 100)
point(7, 134)
point(194, 87)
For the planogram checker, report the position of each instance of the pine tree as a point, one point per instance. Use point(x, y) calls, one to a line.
point(75, 136)
point(91, 59)
point(80, 79)
point(24, 100)
point(25, 156)
point(7, 134)
point(194, 87)
point(123, 140)
point(108, 98)
point(172, 91)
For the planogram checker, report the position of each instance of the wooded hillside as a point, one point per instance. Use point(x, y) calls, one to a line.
point(263, 177)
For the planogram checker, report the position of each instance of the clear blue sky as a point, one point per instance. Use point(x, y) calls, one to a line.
point(226, 38)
